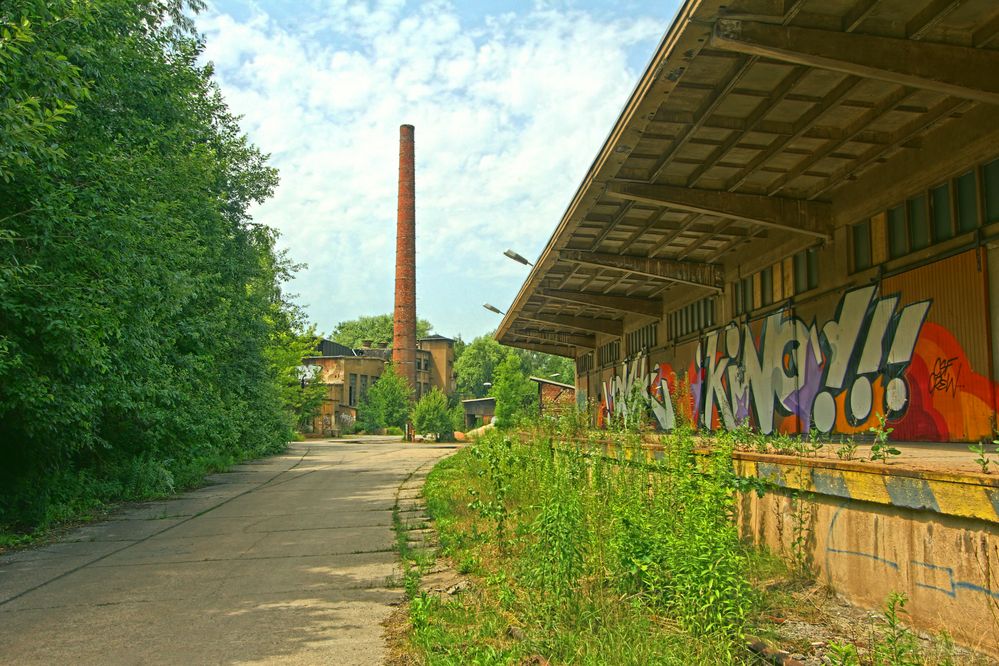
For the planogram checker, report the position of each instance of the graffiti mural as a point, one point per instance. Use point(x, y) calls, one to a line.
point(873, 357)
point(652, 387)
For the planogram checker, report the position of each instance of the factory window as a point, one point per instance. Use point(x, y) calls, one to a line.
point(692, 317)
point(767, 286)
point(643, 339)
point(934, 216)
point(967, 202)
point(940, 212)
point(364, 388)
point(584, 363)
point(806, 270)
point(898, 238)
point(610, 352)
point(990, 183)
point(352, 390)
point(861, 237)
point(743, 295)
point(919, 224)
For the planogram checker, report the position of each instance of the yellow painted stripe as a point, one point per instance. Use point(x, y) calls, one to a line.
point(797, 477)
point(961, 499)
point(746, 468)
point(869, 487)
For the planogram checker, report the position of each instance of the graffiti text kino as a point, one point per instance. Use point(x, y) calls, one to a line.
point(818, 374)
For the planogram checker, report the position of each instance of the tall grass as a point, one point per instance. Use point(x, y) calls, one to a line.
point(592, 560)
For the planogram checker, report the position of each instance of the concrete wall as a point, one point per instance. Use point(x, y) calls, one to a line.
point(868, 530)
point(947, 566)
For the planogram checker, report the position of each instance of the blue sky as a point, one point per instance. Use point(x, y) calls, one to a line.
point(511, 101)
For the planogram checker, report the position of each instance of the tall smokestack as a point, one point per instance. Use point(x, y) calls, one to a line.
point(404, 321)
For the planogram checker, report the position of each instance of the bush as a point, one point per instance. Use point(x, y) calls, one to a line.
point(387, 402)
point(395, 431)
point(600, 560)
point(142, 321)
point(433, 416)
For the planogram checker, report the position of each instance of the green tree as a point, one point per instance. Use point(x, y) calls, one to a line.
point(301, 391)
point(474, 368)
point(516, 395)
point(377, 328)
point(433, 416)
point(142, 318)
point(39, 85)
point(386, 403)
point(476, 363)
point(548, 366)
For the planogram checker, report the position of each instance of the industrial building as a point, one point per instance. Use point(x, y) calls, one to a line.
point(795, 222)
point(348, 374)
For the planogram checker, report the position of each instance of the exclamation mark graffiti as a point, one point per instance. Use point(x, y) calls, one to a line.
point(906, 334)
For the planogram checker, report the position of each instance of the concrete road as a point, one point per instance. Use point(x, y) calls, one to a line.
point(288, 559)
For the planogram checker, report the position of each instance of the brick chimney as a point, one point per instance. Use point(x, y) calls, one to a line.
point(404, 321)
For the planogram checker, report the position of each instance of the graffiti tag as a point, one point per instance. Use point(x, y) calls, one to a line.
point(944, 375)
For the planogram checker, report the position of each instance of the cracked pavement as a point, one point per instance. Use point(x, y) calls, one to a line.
point(287, 559)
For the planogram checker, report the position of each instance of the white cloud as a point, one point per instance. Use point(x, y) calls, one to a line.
point(509, 113)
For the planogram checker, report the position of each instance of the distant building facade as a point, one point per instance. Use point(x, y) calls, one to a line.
point(554, 398)
point(348, 373)
point(478, 411)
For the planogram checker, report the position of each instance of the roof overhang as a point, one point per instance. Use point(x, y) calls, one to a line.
point(749, 137)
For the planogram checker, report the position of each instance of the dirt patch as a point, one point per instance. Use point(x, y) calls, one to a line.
point(815, 618)
point(396, 625)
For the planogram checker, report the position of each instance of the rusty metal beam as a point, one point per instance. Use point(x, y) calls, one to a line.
point(589, 324)
point(580, 340)
point(947, 69)
point(857, 14)
point(932, 14)
point(854, 127)
point(555, 350)
point(687, 272)
point(810, 218)
point(643, 306)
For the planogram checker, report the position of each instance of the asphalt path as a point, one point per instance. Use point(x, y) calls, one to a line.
point(288, 559)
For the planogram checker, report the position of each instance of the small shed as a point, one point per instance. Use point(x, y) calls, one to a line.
point(478, 411)
point(554, 397)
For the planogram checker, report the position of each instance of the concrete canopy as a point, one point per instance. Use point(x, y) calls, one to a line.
point(749, 137)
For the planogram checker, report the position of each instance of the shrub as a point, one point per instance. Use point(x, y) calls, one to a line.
point(387, 402)
point(432, 416)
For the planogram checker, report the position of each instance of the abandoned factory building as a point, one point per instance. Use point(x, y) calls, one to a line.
point(794, 221)
point(348, 374)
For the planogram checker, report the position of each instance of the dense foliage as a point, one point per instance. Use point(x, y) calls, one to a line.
point(476, 363)
point(516, 395)
point(473, 369)
point(595, 561)
point(376, 328)
point(434, 415)
point(387, 403)
point(144, 337)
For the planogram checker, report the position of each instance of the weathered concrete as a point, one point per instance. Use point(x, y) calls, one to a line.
point(287, 559)
point(945, 565)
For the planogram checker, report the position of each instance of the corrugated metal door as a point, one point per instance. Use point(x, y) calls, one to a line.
point(950, 389)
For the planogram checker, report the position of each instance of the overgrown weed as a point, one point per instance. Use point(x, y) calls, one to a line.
point(594, 560)
point(586, 559)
